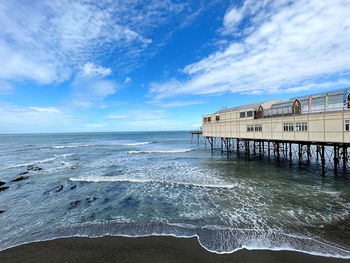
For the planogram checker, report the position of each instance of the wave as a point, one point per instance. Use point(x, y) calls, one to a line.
point(210, 240)
point(99, 179)
point(161, 151)
point(39, 161)
point(67, 146)
point(136, 143)
point(96, 145)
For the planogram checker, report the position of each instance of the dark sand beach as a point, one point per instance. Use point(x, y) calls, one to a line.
point(143, 249)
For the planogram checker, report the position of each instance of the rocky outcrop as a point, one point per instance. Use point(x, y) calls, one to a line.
point(34, 168)
point(3, 188)
point(21, 178)
point(2, 183)
point(74, 204)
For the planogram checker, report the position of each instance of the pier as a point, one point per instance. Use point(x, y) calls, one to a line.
point(314, 128)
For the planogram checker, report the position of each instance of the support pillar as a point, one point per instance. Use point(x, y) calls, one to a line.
point(268, 150)
point(247, 149)
point(278, 152)
point(345, 150)
point(238, 147)
point(290, 153)
point(308, 153)
point(260, 149)
point(254, 149)
point(323, 160)
point(300, 148)
point(335, 153)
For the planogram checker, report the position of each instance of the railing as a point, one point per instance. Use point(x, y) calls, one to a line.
point(286, 111)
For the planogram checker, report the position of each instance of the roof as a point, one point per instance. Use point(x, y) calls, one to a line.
point(247, 106)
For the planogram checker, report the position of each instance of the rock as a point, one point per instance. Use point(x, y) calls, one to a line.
point(33, 168)
point(2, 211)
point(58, 188)
point(2, 183)
point(3, 188)
point(21, 178)
point(74, 204)
point(23, 173)
point(90, 200)
point(73, 187)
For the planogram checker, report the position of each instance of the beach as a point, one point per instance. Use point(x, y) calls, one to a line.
point(144, 249)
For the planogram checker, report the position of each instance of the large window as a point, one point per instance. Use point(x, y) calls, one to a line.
point(258, 127)
point(288, 126)
point(242, 114)
point(249, 113)
point(209, 119)
point(205, 119)
point(347, 125)
point(301, 126)
point(217, 118)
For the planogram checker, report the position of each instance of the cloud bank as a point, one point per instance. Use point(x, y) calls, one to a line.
point(280, 45)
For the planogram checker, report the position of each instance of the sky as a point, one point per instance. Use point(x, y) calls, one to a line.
point(106, 65)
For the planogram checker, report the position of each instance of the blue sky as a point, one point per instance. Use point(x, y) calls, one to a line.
point(75, 66)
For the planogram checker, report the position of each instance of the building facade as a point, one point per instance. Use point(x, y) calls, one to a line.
point(316, 118)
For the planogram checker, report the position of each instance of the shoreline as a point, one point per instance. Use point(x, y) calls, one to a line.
point(145, 249)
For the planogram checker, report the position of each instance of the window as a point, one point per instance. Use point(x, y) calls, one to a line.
point(242, 114)
point(301, 126)
point(288, 126)
point(249, 113)
point(258, 128)
point(304, 126)
point(209, 119)
point(347, 125)
point(205, 119)
point(217, 118)
point(250, 128)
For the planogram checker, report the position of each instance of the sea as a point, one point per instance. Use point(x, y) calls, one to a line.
point(159, 184)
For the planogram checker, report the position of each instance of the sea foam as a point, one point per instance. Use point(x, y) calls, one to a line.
point(160, 151)
point(98, 179)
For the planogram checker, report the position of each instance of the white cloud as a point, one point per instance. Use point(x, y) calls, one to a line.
point(174, 104)
point(91, 86)
point(91, 70)
point(232, 18)
point(15, 119)
point(127, 80)
point(287, 44)
point(45, 109)
point(5, 87)
point(115, 116)
point(47, 41)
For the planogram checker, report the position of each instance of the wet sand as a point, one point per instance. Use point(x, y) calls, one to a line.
point(144, 249)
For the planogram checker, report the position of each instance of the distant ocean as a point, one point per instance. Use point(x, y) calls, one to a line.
point(158, 183)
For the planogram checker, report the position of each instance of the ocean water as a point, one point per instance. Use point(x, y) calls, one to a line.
point(158, 183)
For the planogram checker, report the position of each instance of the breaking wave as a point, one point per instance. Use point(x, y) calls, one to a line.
point(39, 161)
point(98, 179)
point(136, 143)
point(160, 151)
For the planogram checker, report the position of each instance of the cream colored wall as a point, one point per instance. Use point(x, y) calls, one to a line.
point(322, 127)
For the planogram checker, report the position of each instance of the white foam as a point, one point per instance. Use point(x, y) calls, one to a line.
point(68, 146)
point(136, 143)
point(98, 179)
point(161, 151)
point(39, 161)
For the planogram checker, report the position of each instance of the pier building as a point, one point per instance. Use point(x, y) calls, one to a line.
point(309, 125)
